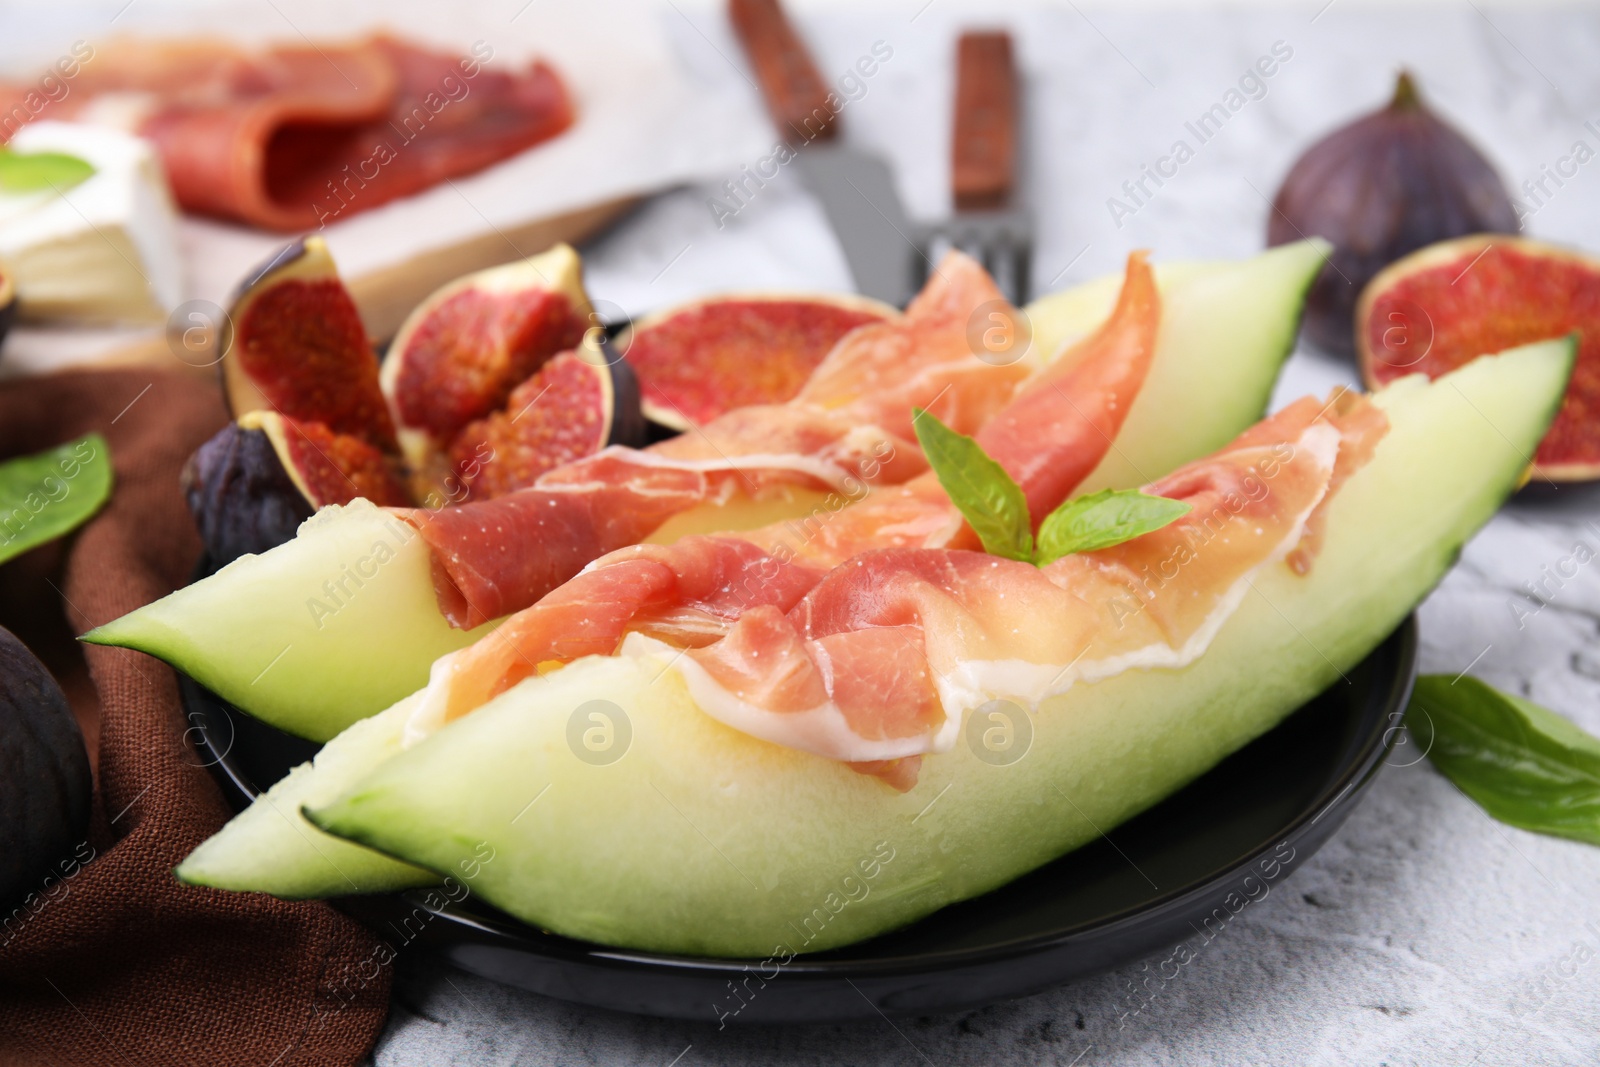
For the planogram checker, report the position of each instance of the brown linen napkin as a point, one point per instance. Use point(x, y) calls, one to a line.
point(119, 963)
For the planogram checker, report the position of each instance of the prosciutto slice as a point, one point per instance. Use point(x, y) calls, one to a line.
point(1050, 436)
point(878, 662)
point(850, 427)
point(294, 137)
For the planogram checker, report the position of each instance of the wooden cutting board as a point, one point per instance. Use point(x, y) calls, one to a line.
point(385, 297)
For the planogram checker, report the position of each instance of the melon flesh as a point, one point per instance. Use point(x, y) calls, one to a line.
point(704, 840)
point(270, 848)
point(316, 634)
point(1226, 330)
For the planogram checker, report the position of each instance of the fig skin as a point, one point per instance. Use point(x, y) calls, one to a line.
point(629, 426)
point(8, 304)
point(1379, 188)
point(45, 784)
point(242, 499)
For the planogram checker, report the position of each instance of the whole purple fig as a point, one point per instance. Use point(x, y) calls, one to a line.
point(1385, 185)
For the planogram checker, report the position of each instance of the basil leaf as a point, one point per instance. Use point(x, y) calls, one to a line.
point(48, 494)
point(1522, 764)
point(1103, 519)
point(992, 503)
point(32, 172)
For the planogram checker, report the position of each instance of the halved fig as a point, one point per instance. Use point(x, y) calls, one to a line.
point(251, 486)
point(241, 496)
point(698, 360)
point(8, 303)
point(459, 355)
point(1451, 302)
point(294, 344)
point(45, 792)
point(575, 405)
point(328, 467)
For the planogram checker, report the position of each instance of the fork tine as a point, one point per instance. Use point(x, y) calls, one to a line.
point(1000, 244)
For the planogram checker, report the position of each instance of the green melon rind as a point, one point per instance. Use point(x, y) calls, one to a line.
point(703, 840)
point(270, 848)
point(311, 636)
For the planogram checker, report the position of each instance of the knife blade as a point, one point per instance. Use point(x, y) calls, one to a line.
point(855, 189)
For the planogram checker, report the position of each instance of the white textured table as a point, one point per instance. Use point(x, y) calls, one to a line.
point(1424, 933)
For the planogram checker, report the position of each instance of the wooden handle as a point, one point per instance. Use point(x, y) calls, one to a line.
point(795, 93)
point(984, 143)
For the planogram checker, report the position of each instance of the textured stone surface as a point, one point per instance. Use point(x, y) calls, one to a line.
point(1423, 933)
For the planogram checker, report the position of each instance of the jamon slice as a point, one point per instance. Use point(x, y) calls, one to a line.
point(1052, 434)
point(851, 424)
point(881, 660)
point(298, 136)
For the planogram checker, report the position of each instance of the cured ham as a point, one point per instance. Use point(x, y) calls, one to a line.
point(294, 137)
point(1053, 432)
point(880, 660)
point(850, 427)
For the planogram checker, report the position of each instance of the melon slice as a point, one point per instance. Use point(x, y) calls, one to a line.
point(334, 626)
point(1212, 315)
point(1202, 389)
point(1448, 303)
point(703, 840)
point(270, 848)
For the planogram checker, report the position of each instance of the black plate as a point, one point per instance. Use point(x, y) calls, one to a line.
point(1179, 871)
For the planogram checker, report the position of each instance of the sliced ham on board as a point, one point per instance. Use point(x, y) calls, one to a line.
point(849, 428)
point(1049, 437)
point(295, 137)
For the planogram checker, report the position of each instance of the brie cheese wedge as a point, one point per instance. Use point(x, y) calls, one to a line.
point(104, 250)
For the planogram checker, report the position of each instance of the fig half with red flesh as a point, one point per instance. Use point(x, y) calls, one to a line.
point(1449, 303)
point(462, 351)
point(294, 345)
point(699, 360)
point(575, 405)
point(328, 467)
point(1383, 186)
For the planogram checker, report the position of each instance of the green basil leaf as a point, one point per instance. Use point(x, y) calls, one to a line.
point(992, 503)
point(1103, 519)
point(32, 172)
point(1524, 765)
point(48, 494)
